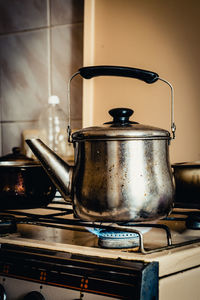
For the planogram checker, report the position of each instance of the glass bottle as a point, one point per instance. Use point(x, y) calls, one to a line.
point(52, 125)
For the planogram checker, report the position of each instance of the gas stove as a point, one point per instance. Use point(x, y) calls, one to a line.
point(47, 253)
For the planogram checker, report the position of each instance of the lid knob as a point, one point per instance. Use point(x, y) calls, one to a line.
point(121, 116)
point(16, 150)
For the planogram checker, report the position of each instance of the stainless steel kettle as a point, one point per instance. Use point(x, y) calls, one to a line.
point(122, 170)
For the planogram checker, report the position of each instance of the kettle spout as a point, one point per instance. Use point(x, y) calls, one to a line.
point(57, 169)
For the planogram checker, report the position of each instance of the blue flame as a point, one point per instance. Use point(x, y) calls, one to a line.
point(93, 230)
point(104, 233)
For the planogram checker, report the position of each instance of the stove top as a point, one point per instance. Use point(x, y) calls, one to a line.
point(56, 224)
point(53, 241)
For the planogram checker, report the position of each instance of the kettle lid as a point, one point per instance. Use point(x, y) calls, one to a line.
point(121, 128)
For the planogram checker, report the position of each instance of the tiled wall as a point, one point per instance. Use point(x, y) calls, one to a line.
point(33, 66)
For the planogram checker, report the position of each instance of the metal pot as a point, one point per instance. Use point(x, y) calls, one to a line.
point(122, 171)
point(23, 182)
point(187, 182)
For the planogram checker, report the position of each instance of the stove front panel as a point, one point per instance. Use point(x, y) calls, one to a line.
point(16, 289)
point(110, 278)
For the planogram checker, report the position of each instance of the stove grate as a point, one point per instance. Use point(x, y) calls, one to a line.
point(54, 218)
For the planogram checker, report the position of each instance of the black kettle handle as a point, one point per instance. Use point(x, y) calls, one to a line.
point(94, 71)
point(144, 75)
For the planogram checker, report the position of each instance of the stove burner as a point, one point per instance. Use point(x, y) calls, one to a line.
point(118, 239)
point(193, 221)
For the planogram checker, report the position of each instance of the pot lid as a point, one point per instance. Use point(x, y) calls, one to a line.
point(192, 164)
point(16, 158)
point(121, 128)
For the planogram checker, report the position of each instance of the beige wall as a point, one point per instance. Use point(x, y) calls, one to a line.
point(162, 36)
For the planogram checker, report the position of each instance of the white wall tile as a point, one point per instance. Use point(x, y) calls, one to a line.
point(66, 11)
point(24, 75)
point(67, 58)
point(12, 134)
point(18, 15)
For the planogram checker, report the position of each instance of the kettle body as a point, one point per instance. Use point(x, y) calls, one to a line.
point(122, 180)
